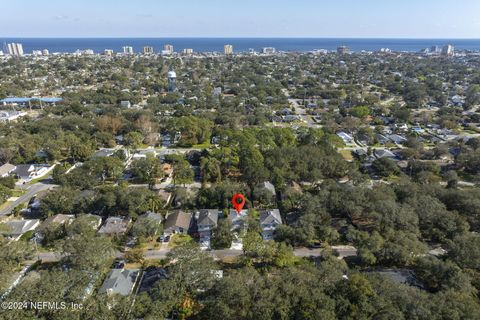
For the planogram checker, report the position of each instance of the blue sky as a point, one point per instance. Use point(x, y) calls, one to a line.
point(243, 18)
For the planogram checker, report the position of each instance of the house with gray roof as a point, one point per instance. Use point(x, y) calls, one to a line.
point(28, 172)
point(177, 222)
point(152, 216)
point(115, 226)
point(269, 220)
point(385, 153)
point(395, 138)
point(6, 170)
point(14, 229)
point(207, 220)
point(120, 281)
point(94, 220)
point(269, 187)
point(56, 220)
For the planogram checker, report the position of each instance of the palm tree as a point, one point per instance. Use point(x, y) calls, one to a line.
point(154, 203)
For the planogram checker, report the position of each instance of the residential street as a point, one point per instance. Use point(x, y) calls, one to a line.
point(32, 190)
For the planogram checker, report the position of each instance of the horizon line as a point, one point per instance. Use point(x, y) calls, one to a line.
point(232, 37)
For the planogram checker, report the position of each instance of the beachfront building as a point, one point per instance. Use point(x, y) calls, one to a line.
point(228, 49)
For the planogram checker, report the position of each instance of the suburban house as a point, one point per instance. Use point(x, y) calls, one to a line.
point(28, 172)
point(177, 222)
point(347, 139)
point(109, 152)
point(115, 226)
point(14, 229)
point(238, 220)
point(239, 224)
point(56, 220)
point(120, 281)
point(269, 220)
point(104, 152)
point(398, 139)
point(206, 221)
point(269, 188)
point(152, 216)
point(384, 153)
point(94, 220)
point(125, 104)
point(165, 196)
point(142, 154)
point(6, 116)
point(6, 170)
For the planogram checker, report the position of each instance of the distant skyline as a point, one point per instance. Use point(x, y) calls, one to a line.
point(246, 18)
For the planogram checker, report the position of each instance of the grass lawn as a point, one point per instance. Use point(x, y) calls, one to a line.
point(39, 179)
point(205, 145)
point(179, 239)
point(3, 205)
point(347, 155)
point(153, 244)
point(133, 265)
point(18, 192)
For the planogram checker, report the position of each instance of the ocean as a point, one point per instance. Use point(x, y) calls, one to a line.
point(98, 45)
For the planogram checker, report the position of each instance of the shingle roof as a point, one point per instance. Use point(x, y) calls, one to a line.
point(270, 216)
point(208, 217)
point(119, 281)
point(178, 219)
point(269, 186)
point(19, 227)
point(114, 225)
point(7, 168)
point(152, 215)
point(23, 170)
point(57, 219)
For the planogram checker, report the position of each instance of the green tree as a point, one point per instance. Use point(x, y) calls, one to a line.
point(182, 172)
point(222, 235)
point(147, 169)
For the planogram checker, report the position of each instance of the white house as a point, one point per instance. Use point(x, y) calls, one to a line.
point(6, 170)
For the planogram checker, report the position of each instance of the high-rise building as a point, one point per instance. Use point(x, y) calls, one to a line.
point(343, 50)
point(147, 50)
point(268, 50)
point(108, 52)
point(188, 51)
point(45, 52)
point(434, 49)
point(228, 49)
point(15, 49)
point(448, 50)
point(172, 81)
point(128, 50)
point(168, 49)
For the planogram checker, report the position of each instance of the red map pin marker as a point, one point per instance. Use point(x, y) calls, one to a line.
point(238, 202)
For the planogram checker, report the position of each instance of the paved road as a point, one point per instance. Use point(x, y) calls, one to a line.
point(31, 191)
